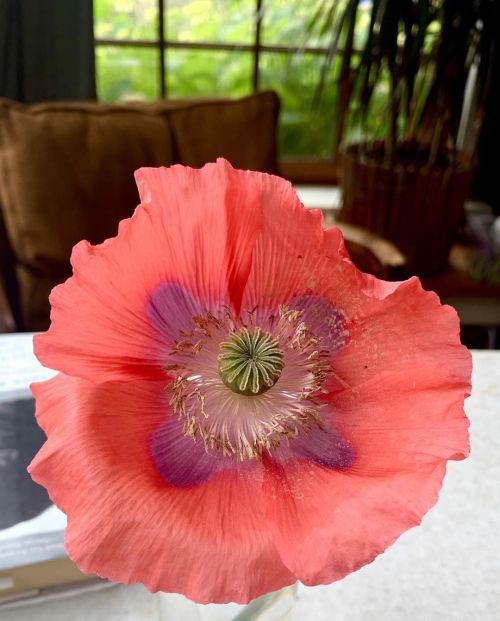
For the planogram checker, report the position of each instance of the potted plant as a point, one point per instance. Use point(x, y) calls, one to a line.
point(419, 68)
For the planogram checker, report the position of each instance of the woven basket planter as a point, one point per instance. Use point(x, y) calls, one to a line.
point(416, 207)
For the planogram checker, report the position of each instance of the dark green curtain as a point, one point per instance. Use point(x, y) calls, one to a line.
point(46, 50)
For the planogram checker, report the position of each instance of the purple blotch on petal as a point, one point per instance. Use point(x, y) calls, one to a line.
point(179, 460)
point(321, 444)
point(322, 319)
point(170, 309)
point(324, 446)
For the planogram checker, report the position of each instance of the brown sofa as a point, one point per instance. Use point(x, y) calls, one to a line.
point(66, 173)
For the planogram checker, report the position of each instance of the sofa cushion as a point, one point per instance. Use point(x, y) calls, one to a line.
point(66, 173)
point(242, 130)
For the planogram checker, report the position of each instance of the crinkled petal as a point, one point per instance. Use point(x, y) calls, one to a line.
point(329, 523)
point(296, 261)
point(406, 331)
point(209, 542)
point(294, 256)
point(196, 228)
point(401, 380)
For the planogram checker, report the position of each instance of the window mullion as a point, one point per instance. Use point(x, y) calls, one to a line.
point(161, 47)
point(256, 48)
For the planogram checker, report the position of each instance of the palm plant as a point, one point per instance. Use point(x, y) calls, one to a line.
point(433, 58)
point(424, 49)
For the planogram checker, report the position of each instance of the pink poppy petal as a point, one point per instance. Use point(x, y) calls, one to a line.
point(196, 228)
point(330, 523)
point(408, 330)
point(399, 404)
point(294, 256)
point(210, 542)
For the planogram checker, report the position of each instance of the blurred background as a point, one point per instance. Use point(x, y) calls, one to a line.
point(383, 113)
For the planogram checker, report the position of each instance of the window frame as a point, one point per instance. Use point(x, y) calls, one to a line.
point(314, 171)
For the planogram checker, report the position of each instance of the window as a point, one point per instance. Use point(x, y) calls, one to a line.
point(147, 49)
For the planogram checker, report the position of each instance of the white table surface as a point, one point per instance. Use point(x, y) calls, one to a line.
point(319, 196)
point(448, 569)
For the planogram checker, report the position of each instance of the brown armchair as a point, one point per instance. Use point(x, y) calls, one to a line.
point(372, 253)
point(66, 173)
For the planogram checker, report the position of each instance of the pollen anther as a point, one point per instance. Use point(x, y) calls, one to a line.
point(273, 372)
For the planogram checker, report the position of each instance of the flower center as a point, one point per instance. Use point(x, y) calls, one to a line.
point(246, 384)
point(250, 362)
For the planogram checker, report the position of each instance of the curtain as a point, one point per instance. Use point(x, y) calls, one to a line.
point(46, 50)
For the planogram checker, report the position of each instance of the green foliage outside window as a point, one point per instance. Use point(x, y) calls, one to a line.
point(306, 130)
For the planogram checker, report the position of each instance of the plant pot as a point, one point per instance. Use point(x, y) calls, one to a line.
point(416, 207)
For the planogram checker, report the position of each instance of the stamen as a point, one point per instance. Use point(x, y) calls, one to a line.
point(274, 367)
point(250, 362)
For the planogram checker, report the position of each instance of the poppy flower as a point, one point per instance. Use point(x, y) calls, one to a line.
point(238, 406)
